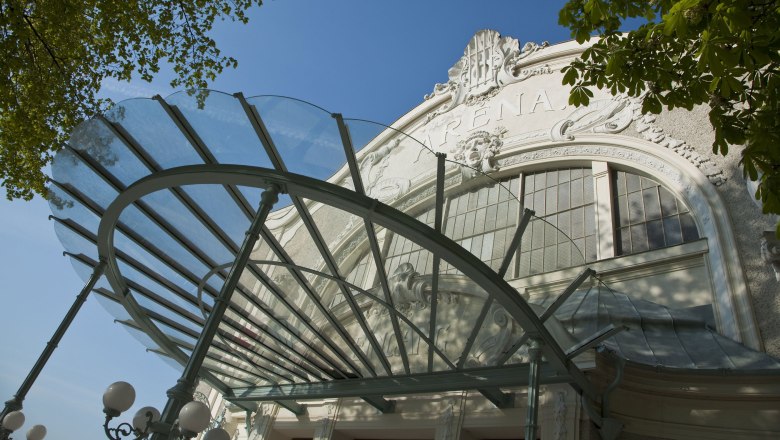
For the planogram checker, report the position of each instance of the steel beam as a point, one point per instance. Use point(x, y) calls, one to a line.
point(276, 159)
point(15, 403)
point(354, 170)
point(438, 382)
point(181, 393)
point(592, 340)
point(515, 243)
point(571, 288)
point(353, 203)
point(437, 222)
point(292, 406)
point(383, 405)
point(499, 398)
point(532, 415)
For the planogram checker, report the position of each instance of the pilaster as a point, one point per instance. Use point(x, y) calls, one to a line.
point(604, 223)
point(324, 428)
point(263, 423)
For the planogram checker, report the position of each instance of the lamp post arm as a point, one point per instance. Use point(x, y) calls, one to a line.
point(15, 403)
point(182, 392)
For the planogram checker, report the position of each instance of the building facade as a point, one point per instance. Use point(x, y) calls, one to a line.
point(492, 238)
point(679, 245)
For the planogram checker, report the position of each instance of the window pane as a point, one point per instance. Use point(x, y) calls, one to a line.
point(689, 230)
point(655, 234)
point(672, 230)
point(656, 210)
point(638, 238)
point(564, 199)
point(652, 205)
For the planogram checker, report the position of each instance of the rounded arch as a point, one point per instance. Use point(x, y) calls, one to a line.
point(733, 308)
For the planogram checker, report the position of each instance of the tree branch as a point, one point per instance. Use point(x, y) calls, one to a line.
point(45, 45)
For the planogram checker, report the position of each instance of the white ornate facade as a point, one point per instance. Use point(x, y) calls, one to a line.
point(667, 225)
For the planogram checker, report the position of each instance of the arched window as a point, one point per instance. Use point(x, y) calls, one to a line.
point(648, 216)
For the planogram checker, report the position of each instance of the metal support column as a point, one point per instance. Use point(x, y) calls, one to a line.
point(15, 403)
point(181, 393)
point(532, 417)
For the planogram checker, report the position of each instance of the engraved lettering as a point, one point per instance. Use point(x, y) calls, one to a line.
point(541, 98)
point(515, 110)
point(480, 118)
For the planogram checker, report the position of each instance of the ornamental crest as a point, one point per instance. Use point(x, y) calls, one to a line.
point(489, 62)
point(476, 153)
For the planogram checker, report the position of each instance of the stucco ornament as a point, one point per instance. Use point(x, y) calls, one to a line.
point(770, 252)
point(410, 291)
point(477, 152)
point(489, 62)
point(407, 289)
point(600, 116)
point(494, 338)
point(646, 127)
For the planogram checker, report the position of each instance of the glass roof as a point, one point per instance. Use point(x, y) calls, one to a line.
point(164, 190)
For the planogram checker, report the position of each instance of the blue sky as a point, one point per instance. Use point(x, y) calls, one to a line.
point(368, 59)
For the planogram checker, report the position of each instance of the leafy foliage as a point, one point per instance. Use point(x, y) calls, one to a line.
point(724, 53)
point(56, 53)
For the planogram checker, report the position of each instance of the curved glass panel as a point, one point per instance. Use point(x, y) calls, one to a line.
point(386, 158)
point(328, 294)
point(65, 206)
point(306, 137)
point(71, 168)
point(224, 127)
point(154, 134)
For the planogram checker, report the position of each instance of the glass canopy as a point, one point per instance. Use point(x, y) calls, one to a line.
point(353, 289)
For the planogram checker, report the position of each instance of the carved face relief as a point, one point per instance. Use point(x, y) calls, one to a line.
point(477, 152)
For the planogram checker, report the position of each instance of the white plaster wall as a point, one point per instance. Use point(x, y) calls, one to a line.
point(694, 128)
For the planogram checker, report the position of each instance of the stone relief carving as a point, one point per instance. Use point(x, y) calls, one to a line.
point(615, 115)
point(324, 428)
point(493, 340)
point(263, 421)
point(559, 415)
point(477, 152)
point(604, 151)
point(770, 252)
point(372, 168)
point(409, 291)
point(649, 131)
point(600, 116)
point(406, 288)
point(489, 62)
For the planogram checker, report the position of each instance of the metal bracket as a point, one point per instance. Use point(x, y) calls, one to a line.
point(499, 398)
point(380, 403)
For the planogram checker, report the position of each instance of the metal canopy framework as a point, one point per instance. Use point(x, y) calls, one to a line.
point(163, 191)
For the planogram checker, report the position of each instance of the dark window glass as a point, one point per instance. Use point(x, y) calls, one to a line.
point(564, 198)
point(648, 216)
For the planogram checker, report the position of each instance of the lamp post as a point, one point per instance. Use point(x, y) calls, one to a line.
point(14, 405)
point(14, 420)
point(193, 418)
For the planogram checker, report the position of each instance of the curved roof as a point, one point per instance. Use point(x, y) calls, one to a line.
point(163, 191)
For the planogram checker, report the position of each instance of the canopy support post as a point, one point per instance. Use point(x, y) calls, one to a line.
point(532, 416)
point(181, 393)
point(15, 404)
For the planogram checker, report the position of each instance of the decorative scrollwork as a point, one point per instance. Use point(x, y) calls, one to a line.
point(126, 430)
